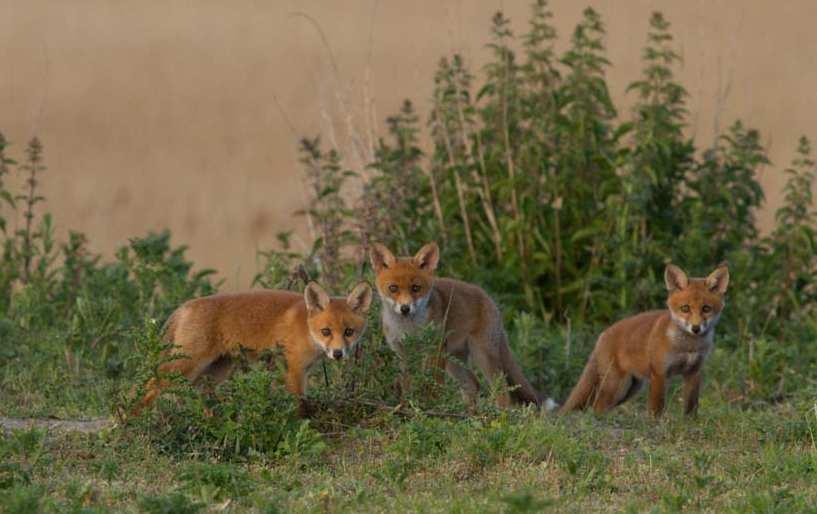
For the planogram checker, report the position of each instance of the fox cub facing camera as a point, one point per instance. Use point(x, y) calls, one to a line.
point(654, 346)
point(413, 297)
point(208, 332)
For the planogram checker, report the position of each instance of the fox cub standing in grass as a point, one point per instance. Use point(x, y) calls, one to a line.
point(209, 331)
point(655, 346)
point(412, 297)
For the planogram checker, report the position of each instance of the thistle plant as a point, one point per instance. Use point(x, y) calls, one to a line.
point(8, 265)
point(328, 211)
point(794, 239)
point(400, 198)
point(32, 167)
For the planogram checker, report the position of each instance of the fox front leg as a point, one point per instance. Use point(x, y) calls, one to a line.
point(658, 392)
point(404, 380)
point(691, 391)
point(296, 384)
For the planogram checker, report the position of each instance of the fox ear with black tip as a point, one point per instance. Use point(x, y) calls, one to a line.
point(360, 299)
point(718, 280)
point(381, 257)
point(315, 297)
point(428, 257)
point(675, 278)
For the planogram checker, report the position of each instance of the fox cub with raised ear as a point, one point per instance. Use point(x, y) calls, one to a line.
point(654, 346)
point(413, 297)
point(208, 332)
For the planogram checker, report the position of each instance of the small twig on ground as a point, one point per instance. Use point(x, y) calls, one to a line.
point(399, 409)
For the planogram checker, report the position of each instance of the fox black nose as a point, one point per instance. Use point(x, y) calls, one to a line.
point(696, 328)
point(405, 309)
point(337, 354)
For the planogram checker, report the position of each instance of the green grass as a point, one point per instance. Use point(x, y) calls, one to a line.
point(732, 458)
point(36, 382)
point(743, 453)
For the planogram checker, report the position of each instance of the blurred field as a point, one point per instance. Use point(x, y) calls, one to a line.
point(164, 115)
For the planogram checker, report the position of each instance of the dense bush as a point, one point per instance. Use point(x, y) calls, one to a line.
point(567, 211)
point(539, 190)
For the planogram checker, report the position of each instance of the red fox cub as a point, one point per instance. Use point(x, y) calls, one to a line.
point(210, 331)
point(655, 346)
point(412, 297)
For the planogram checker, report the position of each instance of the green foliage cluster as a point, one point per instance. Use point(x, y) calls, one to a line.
point(565, 210)
point(63, 308)
point(539, 190)
point(250, 416)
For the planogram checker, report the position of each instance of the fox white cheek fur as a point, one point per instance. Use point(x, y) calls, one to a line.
point(705, 326)
point(416, 306)
point(682, 323)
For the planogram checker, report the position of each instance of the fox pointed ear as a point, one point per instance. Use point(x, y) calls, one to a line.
point(718, 280)
point(316, 297)
point(675, 278)
point(428, 257)
point(381, 257)
point(360, 299)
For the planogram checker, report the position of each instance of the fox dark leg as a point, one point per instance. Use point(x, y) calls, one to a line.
point(491, 367)
point(658, 393)
point(635, 386)
point(691, 390)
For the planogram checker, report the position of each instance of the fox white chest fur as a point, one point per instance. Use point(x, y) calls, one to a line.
point(688, 350)
point(397, 325)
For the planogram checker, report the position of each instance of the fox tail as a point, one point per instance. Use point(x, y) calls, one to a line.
point(582, 393)
point(523, 391)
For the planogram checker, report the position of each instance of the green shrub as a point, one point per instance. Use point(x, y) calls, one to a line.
point(249, 415)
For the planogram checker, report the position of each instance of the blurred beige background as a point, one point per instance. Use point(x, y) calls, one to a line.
point(186, 114)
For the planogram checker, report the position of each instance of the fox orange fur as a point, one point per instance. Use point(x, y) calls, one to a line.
point(207, 332)
point(412, 297)
point(654, 346)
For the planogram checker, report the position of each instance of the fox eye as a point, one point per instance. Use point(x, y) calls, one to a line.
point(685, 308)
point(706, 308)
point(415, 288)
point(348, 332)
point(326, 332)
point(393, 288)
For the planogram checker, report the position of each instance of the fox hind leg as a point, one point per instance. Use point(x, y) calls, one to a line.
point(218, 371)
point(189, 367)
point(466, 379)
point(634, 387)
point(491, 366)
point(609, 390)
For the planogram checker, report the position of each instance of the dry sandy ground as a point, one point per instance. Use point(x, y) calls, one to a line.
point(55, 425)
point(185, 114)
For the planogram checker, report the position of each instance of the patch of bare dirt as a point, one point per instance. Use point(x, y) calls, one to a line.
point(85, 426)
